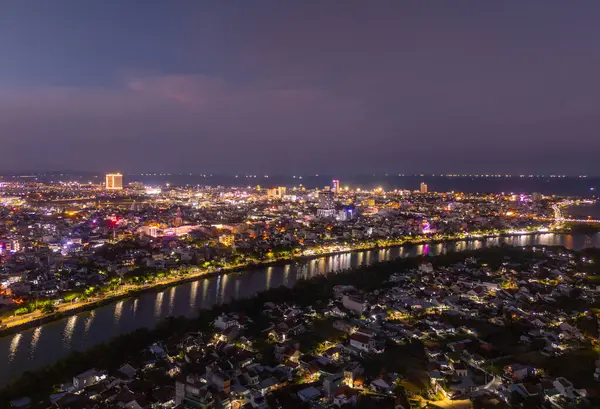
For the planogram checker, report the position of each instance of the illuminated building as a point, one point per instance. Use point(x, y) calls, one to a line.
point(114, 181)
point(170, 231)
point(277, 192)
point(227, 239)
point(136, 185)
point(178, 218)
point(10, 245)
point(153, 191)
point(149, 231)
point(326, 212)
point(423, 188)
point(326, 199)
point(336, 186)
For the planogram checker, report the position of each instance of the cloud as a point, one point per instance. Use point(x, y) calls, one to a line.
point(178, 114)
point(214, 94)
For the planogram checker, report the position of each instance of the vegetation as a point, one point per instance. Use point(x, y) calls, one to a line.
point(142, 277)
point(127, 348)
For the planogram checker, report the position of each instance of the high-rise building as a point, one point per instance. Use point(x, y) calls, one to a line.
point(423, 187)
point(277, 192)
point(178, 221)
point(114, 181)
point(326, 199)
point(335, 186)
point(281, 191)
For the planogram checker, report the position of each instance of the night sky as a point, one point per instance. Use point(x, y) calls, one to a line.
point(300, 86)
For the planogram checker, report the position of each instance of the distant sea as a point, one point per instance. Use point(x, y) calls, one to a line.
point(563, 186)
point(585, 211)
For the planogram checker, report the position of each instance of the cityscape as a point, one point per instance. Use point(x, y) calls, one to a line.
point(299, 205)
point(71, 247)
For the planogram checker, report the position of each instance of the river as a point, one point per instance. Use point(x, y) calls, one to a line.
point(34, 348)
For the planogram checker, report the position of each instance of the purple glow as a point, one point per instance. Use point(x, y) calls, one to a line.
point(426, 228)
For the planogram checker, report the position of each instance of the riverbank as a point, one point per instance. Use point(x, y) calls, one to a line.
point(67, 310)
point(35, 348)
point(128, 348)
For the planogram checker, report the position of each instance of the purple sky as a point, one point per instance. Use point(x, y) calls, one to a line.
point(300, 86)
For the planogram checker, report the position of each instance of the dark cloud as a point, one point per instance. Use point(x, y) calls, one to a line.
point(300, 86)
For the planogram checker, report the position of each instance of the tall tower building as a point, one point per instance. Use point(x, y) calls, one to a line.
point(178, 218)
point(114, 181)
point(326, 200)
point(335, 186)
point(281, 191)
point(423, 187)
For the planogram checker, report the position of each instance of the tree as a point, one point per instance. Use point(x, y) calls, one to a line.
point(48, 307)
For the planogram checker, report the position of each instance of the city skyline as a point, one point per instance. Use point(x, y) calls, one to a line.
point(333, 88)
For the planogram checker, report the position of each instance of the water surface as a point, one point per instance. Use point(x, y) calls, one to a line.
point(34, 348)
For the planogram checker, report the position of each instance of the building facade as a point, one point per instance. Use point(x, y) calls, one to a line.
point(114, 181)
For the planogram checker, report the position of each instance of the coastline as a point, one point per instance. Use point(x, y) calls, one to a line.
point(157, 287)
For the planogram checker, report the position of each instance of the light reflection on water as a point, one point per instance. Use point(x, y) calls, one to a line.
point(158, 303)
point(172, 294)
point(223, 290)
point(193, 294)
point(217, 289)
point(34, 340)
point(69, 329)
point(118, 311)
point(89, 321)
point(14, 346)
point(147, 309)
point(204, 293)
point(269, 276)
point(286, 276)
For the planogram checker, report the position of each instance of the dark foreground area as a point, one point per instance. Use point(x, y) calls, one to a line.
point(405, 323)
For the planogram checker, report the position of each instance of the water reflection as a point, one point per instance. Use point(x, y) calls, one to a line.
point(107, 321)
point(69, 329)
point(268, 277)
point(204, 293)
point(172, 294)
point(194, 294)
point(14, 346)
point(158, 303)
point(34, 340)
point(569, 241)
point(118, 312)
point(218, 288)
point(286, 274)
point(222, 294)
point(322, 265)
point(88, 322)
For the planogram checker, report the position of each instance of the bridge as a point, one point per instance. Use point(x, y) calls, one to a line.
point(578, 220)
point(558, 217)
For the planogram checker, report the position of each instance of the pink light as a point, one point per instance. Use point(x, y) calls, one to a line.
point(426, 227)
